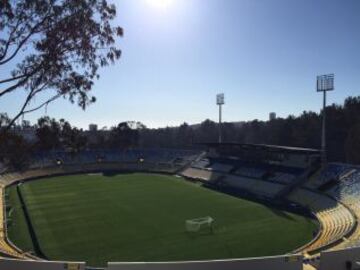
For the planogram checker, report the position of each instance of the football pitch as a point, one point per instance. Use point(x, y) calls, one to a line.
point(141, 217)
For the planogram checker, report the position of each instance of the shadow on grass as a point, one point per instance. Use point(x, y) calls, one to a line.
point(280, 213)
point(116, 173)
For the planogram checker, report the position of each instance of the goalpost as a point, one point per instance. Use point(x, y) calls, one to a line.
point(198, 224)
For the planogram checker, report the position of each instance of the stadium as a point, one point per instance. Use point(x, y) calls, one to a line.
point(154, 176)
point(104, 209)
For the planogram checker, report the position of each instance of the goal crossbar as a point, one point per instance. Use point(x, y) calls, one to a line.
point(195, 225)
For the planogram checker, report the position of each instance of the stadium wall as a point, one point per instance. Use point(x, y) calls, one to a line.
point(10, 264)
point(345, 259)
point(269, 263)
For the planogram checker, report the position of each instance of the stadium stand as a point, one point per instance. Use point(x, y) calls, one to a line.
point(251, 172)
point(172, 157)
point(254, 186)
point(219, 167)
point(283, 178)
point(201, 164)
point(332, 171)
point(198, 174)
point(348, 188)
point(347, 191)
point(247, 179)
point(342, 183)
point(331, 195)
point(262, 180)
point(335, 219)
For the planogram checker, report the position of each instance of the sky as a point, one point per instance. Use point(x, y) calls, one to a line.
point(264, 55)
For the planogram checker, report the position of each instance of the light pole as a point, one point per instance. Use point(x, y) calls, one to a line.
point(324, 83)
point(220, 100)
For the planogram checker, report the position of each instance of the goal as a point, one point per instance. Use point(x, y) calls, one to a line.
point(199, 224)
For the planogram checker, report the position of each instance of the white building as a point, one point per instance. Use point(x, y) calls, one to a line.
point(272, 116)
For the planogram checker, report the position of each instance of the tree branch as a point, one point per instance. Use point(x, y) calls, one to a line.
point(13, 87)
point(28, 98)
point(19, 83)
point(43, 104)
point(13, 78)
point(9, 40)
point(32, 31)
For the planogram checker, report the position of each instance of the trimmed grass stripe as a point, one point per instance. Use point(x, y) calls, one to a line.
point(141, 217)
point(17, 226)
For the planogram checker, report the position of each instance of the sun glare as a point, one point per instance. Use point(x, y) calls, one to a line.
point(162, 4)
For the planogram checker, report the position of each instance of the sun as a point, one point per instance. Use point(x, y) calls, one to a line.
point(161, 4)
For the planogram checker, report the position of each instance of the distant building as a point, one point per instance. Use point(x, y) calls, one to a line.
point(272, 116)
point(93, 127)
point(95, 135)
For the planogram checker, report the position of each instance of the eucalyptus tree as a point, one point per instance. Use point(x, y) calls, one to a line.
point(51, 49)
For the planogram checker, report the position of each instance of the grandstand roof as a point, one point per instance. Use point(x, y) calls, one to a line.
point(267, 147)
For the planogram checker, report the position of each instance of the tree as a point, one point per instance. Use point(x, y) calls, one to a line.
point(306, 130)
point(73, 139)
point(48, 133)
point(57, 46)
point(14, 150)
point(56, 135)
point(208, 132)
point(124, 136)
point(352, 145)
point(351, 110)
point(228, 132)
point(338, 124)
point(184, 135)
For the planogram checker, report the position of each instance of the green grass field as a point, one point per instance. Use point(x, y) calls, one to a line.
point(141, 217)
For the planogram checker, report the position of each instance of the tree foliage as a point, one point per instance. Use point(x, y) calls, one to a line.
point(343, 134)
point(15, 152)
point(58, 135)
point(55, 47)
point(123, 136)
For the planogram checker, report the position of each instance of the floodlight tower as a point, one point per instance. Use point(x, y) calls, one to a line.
point(220, 100)
point(324, 83)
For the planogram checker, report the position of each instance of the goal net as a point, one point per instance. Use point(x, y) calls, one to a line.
point(198, 224)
